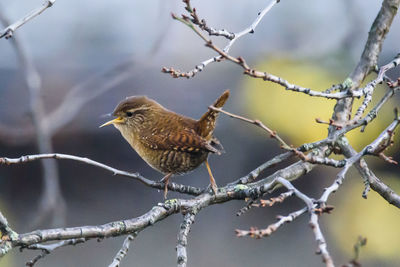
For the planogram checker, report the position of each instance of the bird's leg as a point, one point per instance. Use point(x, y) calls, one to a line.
point(212, 180)
point(165, 180)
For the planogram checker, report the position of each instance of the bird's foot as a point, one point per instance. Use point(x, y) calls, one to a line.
point(165, 180)
point(212, 188)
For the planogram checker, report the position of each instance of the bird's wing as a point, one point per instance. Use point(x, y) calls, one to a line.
point(184, 140)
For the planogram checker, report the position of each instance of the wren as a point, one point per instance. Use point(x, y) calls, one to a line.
point(171, 143)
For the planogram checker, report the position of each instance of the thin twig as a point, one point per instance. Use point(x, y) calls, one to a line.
point(252, 176)
point(347, 127)
point(368, 60)
point(203, 25)
point(253, 26)
point(47, 249)
point(370, 179)
point(255, 73)
point(158, 185)
point(181, 253)
point(198, 68)
point(9, 31)
point(123, 251)
point(272, 78)
point(320, 160)
point(258, 123)
point(322, 247)
point(370, 149)
point(264, 203)
point(279, 199)
point(374, 112)
point(369, 89)
point(256, 233)
point(310, 207)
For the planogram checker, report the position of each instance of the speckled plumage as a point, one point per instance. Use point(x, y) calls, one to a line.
point(169, 142)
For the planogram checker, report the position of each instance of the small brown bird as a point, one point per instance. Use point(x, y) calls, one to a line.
point(169, 142)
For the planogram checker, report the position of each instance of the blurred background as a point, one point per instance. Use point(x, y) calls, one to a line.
point(102, 51)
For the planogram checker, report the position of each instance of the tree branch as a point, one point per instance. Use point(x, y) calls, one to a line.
point(232, 36)
point(369, 89)
point(123, 251)
point(258, 123)
point(157, 185)
point(47, 249)
point(184, 230)
point(157, 213)
point(368, 60)
point(370, 178)
point(9, 31)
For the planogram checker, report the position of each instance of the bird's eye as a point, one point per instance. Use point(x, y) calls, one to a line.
point(129, 114)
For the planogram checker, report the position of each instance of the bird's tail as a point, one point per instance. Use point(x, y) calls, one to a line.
point(206, 124)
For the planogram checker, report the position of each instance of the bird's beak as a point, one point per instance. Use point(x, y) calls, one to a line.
point(114, 121)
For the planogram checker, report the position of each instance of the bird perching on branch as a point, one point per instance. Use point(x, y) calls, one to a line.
point(169, 142)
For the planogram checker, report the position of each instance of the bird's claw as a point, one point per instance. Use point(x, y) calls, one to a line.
point(211, 189)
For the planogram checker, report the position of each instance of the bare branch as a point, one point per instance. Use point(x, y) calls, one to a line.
point(184, 230)
point(347, 127)
point(9, 31)
point(374, 112)
point(158, 185)
point(369, 58)
point(123, 251)
point(255, 73)
point(370, 149)
point(258, 123)
point(369, 89)
point(252, 176)
point(322, 248)
point(254, 232)
point(203, 25)
point(47, 249)
point(320, 160)
point(264, 203)
point(278, 199)
point(377, 34)
point(232, 36)
point(244, 188)
point(157, 213)
point(88, 232)
point(253, 26)
point(370, 178)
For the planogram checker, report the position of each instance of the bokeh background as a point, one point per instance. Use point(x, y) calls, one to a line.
point(311, 43)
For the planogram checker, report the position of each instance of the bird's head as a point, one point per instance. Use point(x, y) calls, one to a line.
point(131, 112)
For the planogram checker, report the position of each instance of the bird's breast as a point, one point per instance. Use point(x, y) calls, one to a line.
point(179, 162)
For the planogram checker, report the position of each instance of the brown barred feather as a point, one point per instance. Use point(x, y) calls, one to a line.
point(206, 123)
